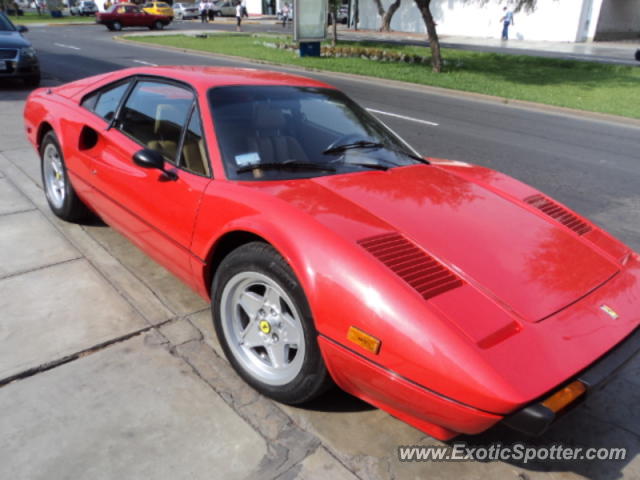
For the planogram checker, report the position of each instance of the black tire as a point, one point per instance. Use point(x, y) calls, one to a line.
point(33, 81)
point(72, 209)
point(117, 26)
point(313, 378)
point(158, 25)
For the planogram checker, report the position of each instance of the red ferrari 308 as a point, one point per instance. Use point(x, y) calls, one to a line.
point(450, 295)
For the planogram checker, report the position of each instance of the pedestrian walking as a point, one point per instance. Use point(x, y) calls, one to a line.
point(507, 21)
point(203, 11)
point(245, 13)
point(285, 14)
point(238, 17)
point(210, 11)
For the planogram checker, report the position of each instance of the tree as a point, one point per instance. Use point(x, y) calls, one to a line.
point(334, 5)
point(388, 14)
point(434, 43)
point(356, 14)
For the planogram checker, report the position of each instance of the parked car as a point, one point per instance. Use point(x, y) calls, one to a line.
point(158, 8)
point(18, 59)
point(225, 9)
point(185, 11)
point(342, 15)
point(84, 8)
point(123, 15)
point(450, 295)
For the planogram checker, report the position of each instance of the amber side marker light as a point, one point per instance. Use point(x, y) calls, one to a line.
point(366, 341)
point(565, 396)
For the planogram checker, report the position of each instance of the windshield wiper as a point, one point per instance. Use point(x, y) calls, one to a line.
point(285, 166)
point(366, 144)
point(352, 146)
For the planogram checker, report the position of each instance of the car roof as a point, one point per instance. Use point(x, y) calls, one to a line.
point(208, 77)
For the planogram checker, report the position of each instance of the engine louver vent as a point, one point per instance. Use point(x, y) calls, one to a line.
point(558, 213)
point(426, 275)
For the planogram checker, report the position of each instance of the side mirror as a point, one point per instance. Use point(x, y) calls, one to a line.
point(22, 29)
point(147, 158)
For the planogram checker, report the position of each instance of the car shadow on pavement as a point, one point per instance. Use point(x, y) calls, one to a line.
point(14, 89)
point(580, 428)
point(339, 401)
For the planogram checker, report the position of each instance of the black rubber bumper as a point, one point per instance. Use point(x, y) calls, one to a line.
point(535, 418)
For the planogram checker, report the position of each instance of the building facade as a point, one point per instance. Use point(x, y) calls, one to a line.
point(552, 20)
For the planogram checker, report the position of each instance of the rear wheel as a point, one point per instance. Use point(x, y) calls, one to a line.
point(265, 327)
point(158, 25)
point(61, 196)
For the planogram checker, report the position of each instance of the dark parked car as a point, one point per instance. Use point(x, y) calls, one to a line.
point(123, 15)
point(18, 59)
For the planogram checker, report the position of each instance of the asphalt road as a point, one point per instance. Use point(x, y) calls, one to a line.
point(591, 165)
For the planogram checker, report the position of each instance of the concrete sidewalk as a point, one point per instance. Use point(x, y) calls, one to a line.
point(621, 52)
point(109, 369)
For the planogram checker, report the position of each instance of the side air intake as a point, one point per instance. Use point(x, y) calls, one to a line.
point(558, 213)
point(426, 275)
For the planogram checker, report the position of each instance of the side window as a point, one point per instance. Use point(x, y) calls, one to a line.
point(193, 156)
point(108, 100)
point(155, 114)
point(89, 102)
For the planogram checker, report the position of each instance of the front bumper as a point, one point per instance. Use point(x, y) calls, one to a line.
point(18, 69)
point(535, 418)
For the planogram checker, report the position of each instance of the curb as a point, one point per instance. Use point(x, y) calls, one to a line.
point(524, 104)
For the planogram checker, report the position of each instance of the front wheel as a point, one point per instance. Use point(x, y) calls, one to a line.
point(158, 25)
point(117, 26)
point(264, 325)
point(61, 196)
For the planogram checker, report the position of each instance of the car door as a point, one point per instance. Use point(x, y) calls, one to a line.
point(134, 16)
point(156, 210)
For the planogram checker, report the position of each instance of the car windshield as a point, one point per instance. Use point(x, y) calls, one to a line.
point(5, 24)
point(284, 132)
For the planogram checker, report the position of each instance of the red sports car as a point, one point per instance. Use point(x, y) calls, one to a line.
point(450, 295)
point(123, 15)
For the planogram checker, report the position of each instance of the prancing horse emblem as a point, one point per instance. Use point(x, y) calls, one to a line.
point(609, 311)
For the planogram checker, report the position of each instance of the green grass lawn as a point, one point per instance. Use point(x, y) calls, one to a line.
point(589, 86)
point(33, 17)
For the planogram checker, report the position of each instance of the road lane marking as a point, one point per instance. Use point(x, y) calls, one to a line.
point(62, 45)
point(410, 119)
point(142, 62)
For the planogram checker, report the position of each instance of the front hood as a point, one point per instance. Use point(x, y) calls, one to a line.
point(529, 263)
point(13, 40)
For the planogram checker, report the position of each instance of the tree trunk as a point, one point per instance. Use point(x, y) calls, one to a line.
point(386, 19)
point(434, 43)
point(334, 28)
point(356, 14)
point(379, 7)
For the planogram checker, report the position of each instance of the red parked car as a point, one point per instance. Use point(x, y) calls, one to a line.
point(450, 295)
point(123, 15)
